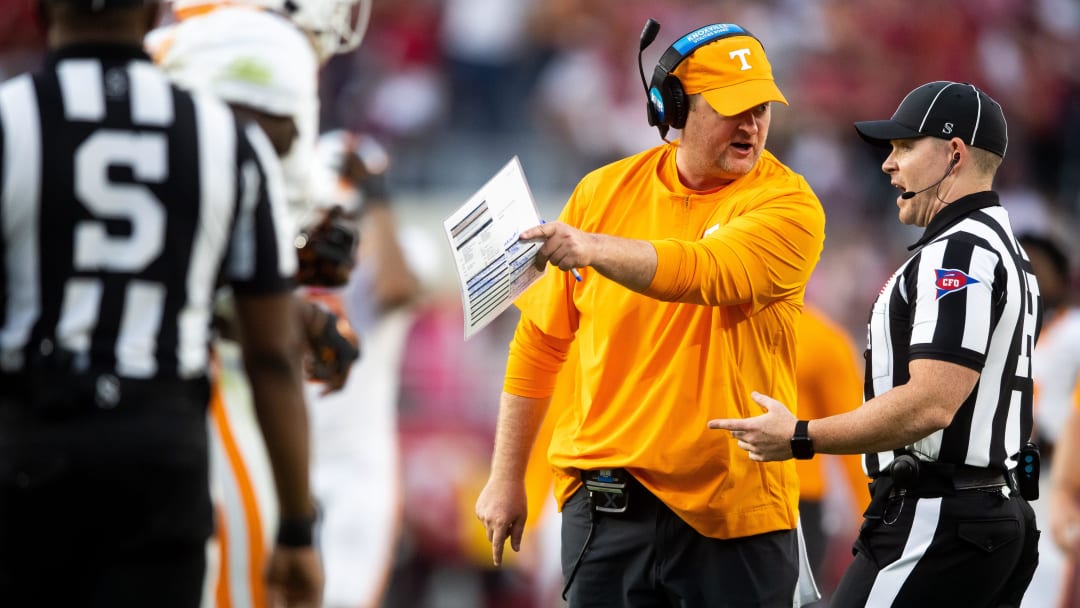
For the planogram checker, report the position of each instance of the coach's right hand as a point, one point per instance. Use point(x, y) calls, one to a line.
point(294, 578)
point(563, 245)
point(502, 508)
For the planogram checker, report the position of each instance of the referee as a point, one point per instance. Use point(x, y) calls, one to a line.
point(947, 411)
point(123, 201)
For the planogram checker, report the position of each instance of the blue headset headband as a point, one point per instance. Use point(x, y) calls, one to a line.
point(663, 80)
point(689, 43)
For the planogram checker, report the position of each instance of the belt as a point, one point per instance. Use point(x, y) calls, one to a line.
point(908, 476)
point(977, 479)
point(974, 478)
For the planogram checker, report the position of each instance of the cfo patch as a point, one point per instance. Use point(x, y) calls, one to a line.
point(950, 280)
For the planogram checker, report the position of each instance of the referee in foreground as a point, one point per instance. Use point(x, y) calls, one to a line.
point(122, 202)
point(947, 411)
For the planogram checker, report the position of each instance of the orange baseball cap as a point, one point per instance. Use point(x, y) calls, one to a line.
point(732, 74)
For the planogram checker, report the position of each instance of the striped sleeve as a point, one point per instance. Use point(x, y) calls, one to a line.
point(262, 258)
point(952, 289)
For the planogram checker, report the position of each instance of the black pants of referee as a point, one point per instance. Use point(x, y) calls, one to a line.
point(104, 508)
point(975, 548)
point(648, 557)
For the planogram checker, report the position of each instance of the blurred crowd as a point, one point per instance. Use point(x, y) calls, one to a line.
point(455, 88)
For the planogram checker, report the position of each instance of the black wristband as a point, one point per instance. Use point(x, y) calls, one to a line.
point(296, 531)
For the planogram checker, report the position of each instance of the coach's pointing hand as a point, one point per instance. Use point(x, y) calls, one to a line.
point(629, 262)
point(766, 437)
point(564, 246)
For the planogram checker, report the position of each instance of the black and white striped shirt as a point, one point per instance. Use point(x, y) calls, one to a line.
point(123, 202)
point(967, 296)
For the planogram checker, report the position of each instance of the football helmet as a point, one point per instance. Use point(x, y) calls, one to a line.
point(257, 58)
point(334, 26)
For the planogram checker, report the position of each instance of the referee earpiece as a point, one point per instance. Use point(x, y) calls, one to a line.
point(952, 163)
point(667, 104)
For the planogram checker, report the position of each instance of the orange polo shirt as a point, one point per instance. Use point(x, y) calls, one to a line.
point(718, 322)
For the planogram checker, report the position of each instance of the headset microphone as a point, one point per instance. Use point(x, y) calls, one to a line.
point(952, 163)
point(648, 34)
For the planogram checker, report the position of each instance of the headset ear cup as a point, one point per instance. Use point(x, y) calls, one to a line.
point(652, 113)
point(678, 103)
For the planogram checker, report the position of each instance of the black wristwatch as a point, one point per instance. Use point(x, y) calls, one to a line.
point(802, 447)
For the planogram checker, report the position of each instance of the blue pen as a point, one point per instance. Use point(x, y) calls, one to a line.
point(573, 271)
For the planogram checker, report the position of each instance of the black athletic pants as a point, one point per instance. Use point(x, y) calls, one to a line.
point(975, 548)
point(104, 508)
point(649, 557)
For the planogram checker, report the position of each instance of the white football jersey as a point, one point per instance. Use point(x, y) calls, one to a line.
point(1056, 372)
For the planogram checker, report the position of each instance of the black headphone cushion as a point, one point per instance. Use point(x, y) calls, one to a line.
point(677, 101)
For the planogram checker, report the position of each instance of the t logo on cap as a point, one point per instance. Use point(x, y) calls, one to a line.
point(741, 54)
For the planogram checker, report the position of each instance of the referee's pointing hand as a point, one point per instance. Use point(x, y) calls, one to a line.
point(766, 437)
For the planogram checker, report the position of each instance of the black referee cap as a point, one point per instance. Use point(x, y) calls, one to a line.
point(946, 110)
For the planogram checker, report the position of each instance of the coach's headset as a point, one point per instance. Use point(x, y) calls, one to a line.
point(667, 103)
